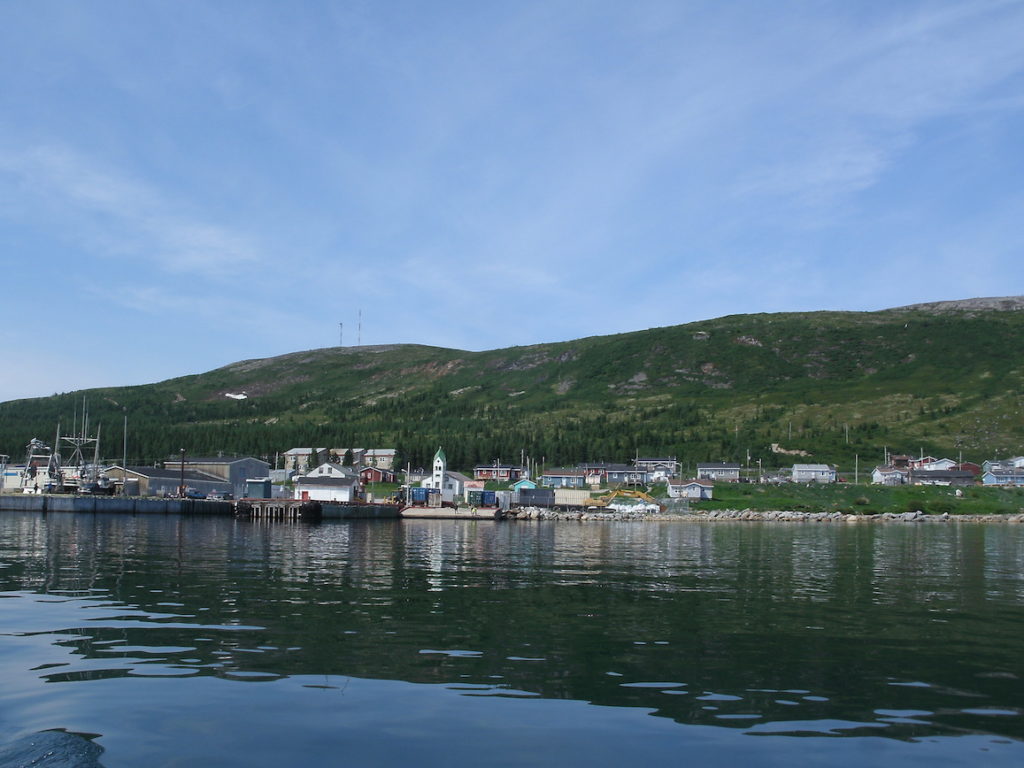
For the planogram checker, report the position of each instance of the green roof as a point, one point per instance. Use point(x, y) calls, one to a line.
point(440, 455)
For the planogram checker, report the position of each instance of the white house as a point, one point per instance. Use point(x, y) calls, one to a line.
point(719, 470)
point(690, 489)
point(932, 465)
point(333, 470)
point(813, 473)
point(382, 458)
point(338, 489)
point(659, 469)
point(889, 476)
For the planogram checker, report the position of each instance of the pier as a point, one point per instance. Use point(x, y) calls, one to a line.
point(452, 513)
point(278, 509)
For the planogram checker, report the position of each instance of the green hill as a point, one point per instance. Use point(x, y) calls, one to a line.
point(942, 378)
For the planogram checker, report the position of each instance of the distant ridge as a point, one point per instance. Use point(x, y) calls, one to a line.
point(941, 377)
point(997, 303)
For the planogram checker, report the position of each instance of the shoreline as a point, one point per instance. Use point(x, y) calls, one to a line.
point(764, 516)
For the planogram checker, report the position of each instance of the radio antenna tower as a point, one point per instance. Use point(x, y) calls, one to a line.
point(360, 336)
point(341, 334)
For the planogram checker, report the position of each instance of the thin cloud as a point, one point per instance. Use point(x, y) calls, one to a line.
point(119, 215)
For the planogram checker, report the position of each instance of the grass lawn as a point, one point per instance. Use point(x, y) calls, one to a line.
point(865, 499)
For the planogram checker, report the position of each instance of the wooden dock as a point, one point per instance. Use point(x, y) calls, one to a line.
point(278, 509)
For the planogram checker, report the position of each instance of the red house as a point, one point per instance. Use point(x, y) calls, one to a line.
point(376, 475)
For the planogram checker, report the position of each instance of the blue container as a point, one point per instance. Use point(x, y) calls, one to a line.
point(489, 499)
point(419, 494)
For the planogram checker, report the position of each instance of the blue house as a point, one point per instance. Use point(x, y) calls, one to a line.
point(1004, 477)
point(563, 478)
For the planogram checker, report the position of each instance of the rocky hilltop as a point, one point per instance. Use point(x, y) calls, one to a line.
point(833, 387)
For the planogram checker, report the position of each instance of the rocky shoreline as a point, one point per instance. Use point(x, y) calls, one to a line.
point(739, 515)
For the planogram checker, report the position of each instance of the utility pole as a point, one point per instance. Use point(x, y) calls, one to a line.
point(360, 335)
point(124, 458)
point(341, 334)
point(181, 486)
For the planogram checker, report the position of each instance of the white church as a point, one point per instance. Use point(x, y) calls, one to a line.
point(451, 484)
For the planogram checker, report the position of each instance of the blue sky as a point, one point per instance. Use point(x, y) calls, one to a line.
point(188, 184)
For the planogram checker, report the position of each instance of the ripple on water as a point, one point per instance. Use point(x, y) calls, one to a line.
point(454, 653)
point(652, 685)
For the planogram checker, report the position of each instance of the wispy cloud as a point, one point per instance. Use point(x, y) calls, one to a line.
point(854, 112)
point(124, 216)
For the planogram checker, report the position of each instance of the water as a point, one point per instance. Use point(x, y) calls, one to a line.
point(188, 641)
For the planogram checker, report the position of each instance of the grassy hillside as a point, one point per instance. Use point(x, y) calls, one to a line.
point(935, 378)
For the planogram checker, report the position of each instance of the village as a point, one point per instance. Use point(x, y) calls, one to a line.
point(369, 476)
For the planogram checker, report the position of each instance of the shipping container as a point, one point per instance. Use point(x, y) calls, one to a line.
point(418, 495)
point(571, 497)
point(474, 498)
point(536, 497)
point(488, 499)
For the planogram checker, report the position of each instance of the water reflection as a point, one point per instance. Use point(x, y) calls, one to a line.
point(905, 632)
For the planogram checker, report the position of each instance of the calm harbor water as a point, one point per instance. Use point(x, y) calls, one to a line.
point(190, 641)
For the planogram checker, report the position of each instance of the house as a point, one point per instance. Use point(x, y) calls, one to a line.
point(522, 483)
point(605, 473)
point(970, 466)
point(301, 459)
point(498, 471)
point(155, 481)
point(382, 458)
point(1001, 464)
point(563, 478)
point(416, 476)
point(331, 469)
point(234, 470)
point(337, 455)
point(940, 477)
point(720, 471)
point(935, 464)
point(659, 470)
point(690, 489)
point(1009, 476)
point(371, 474)
point(889, 476)
point(813, 473)
point(336, 489)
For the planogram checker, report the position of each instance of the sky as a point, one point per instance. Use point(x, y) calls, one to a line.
point(188, 184)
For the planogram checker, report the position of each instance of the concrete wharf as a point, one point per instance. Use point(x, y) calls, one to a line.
point(130, 505)
point(452, 513)
point(264, 509)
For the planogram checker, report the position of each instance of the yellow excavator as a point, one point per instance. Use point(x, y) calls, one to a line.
point(624, 493)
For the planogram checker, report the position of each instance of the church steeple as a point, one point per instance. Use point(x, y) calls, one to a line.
point(440, 467)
